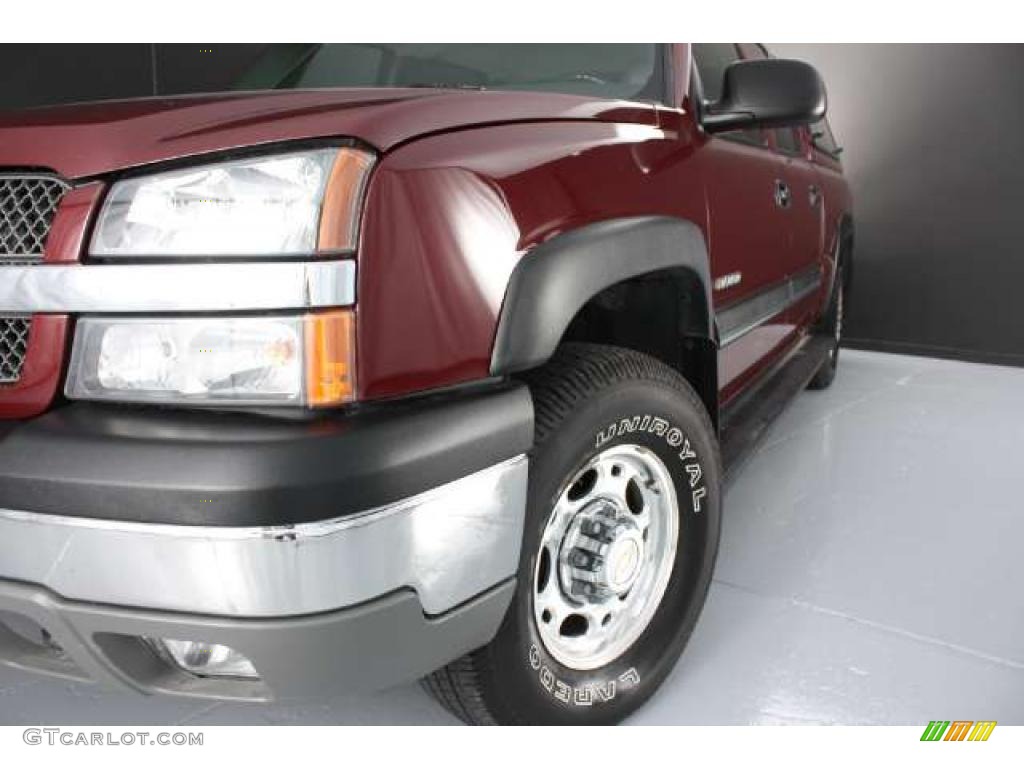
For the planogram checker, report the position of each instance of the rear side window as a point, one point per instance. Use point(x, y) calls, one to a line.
point(821, 135)
point(787, 140)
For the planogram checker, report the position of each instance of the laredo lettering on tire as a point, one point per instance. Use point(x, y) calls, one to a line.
point(621, 536)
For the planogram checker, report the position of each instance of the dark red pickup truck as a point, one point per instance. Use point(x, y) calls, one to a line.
point(403, 361)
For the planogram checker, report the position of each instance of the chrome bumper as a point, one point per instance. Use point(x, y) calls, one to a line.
point(448, 544)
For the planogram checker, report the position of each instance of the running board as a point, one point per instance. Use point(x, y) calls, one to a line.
point(745, 421)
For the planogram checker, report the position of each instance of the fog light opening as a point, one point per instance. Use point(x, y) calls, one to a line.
point(204, 659)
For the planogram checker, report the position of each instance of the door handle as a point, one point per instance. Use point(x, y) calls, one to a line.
point(782, 195)
point(814, 195)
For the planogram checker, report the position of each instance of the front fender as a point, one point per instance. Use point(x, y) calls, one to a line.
point(551, 284)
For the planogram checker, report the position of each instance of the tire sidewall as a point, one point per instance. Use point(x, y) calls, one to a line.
point(655, 416)
point(826, 374)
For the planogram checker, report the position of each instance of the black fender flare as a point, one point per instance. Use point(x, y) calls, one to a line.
point(551, 283)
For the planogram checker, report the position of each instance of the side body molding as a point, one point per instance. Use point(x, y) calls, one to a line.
point(556, 279)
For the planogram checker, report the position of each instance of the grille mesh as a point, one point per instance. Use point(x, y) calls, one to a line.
point(13, 346)
point(28, 203)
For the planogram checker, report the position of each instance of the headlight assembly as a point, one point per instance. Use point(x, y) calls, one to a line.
point(284, 207)
point(305, 360)
point(299, 203)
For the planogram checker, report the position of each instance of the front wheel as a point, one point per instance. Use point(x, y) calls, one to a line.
point(621, 534)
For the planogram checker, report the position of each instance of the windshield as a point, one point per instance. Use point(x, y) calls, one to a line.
point(615, 71)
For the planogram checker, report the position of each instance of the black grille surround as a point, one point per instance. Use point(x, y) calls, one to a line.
point(28, 202)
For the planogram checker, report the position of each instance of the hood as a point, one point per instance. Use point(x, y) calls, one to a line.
point(81, 141)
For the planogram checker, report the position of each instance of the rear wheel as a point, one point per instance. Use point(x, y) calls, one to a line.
point(620, 541)
point(832, 324)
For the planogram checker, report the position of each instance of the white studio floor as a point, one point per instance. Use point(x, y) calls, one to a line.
point(871, 572)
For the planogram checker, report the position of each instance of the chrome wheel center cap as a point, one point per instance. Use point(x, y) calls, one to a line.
point(622, 564)
point(602, 553)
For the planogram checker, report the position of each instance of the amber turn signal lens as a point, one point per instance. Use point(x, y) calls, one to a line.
point(339, 218)
point(330, 358)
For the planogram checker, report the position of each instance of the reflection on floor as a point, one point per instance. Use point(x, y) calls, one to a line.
point(870, 572)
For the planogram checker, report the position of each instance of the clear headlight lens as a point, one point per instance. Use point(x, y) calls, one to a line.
point(287, 360)
point(259, 206)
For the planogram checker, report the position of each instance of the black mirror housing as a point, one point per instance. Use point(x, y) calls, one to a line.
point(767, 93)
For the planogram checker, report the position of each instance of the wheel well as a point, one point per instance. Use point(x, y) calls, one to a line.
point(655, 314)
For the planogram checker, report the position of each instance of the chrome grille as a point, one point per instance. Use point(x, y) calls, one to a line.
point(28, 203)
point(13, 346)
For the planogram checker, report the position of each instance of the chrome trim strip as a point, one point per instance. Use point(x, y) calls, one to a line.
point(40, 175)
point(804, 283)
point(178, 287)
point(449, 544)
point(740, 319)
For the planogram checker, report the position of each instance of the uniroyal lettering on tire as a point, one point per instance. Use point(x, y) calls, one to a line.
point(673, 436)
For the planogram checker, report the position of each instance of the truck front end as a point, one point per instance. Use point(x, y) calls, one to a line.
point(194, 498)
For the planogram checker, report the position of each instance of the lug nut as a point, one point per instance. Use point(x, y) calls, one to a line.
point(587, 589)
point(581, 559)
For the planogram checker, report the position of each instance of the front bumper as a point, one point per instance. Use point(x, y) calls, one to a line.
point(381, 643)
point(414, 567)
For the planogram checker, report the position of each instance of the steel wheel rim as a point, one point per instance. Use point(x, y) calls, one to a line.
point(839, 319)
point(839, 312)
point(605, 557)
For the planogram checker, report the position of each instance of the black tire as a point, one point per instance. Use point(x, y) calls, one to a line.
point(590, 396)
point(832, 325)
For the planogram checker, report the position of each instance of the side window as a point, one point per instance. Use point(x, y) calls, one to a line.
point(712, 59)
point(821, 135)
point(753, 51)
point(787, 140)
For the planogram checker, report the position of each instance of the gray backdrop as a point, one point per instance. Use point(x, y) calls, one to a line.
point(934, 140)
point(934, 148)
